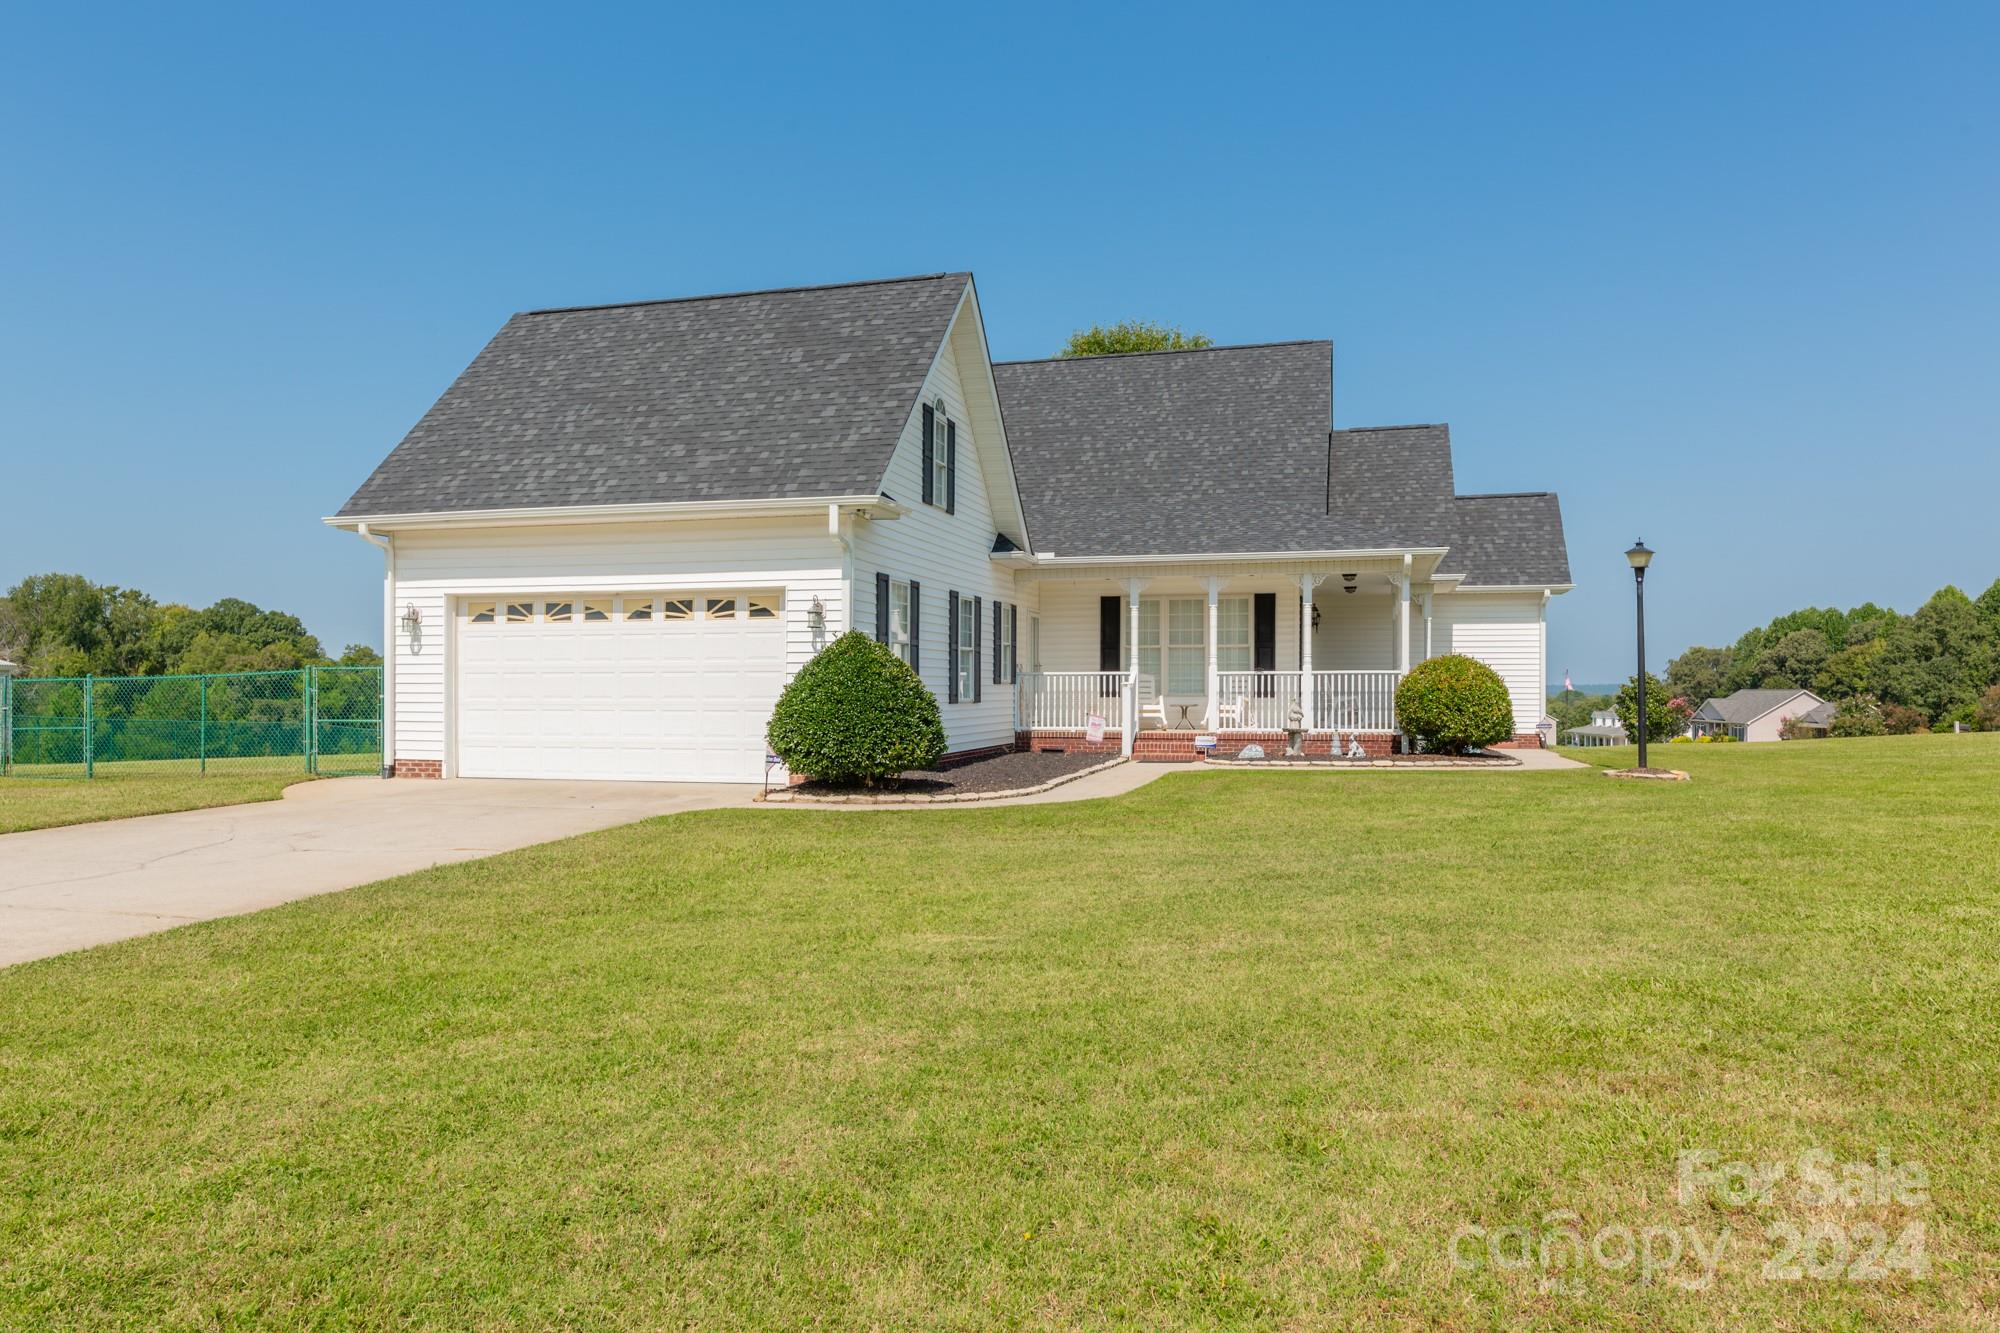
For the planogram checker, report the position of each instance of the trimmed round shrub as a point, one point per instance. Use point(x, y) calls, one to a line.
point(856, 714)
point(1454, 704)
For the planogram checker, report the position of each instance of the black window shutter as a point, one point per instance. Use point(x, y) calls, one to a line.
point(916, 602)
point(881, 608)
point(930, 421)
point(951, 647)
point(1013, 641)
point(950, 466)
point(1265, 617)
point(978, 611)
point(999, 637)
point(1108, 615)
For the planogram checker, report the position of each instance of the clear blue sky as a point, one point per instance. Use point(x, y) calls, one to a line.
point(1725, 276)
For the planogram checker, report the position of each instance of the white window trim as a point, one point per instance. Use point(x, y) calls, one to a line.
point(968, 653)
point(899, 634)
point(940, 458)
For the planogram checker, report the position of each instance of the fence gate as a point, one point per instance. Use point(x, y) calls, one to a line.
point(325, 720)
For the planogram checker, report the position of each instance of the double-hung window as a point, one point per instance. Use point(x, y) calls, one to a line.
point(941, 432)
point(968, 649)
point(1187, 646)
point(899, 622)
point(1149, 642)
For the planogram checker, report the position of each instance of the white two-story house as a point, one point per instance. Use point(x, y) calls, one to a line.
point(619, 533)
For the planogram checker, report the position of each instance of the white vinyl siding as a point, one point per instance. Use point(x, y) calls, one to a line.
point(1503, 630)
point(949, 552)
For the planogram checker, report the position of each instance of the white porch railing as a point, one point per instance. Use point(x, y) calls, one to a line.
point(1342, 700)
point(1065, 700)
point(1270, 699)
point(1355, 700)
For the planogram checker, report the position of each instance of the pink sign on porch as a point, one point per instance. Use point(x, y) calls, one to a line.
point(1094, 731)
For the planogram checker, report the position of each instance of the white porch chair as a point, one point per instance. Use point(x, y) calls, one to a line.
point(1232, 713)
point(1152, 704)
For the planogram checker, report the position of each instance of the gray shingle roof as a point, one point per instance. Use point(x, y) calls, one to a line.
point(1221, 450)
point(759, 395)
point(1226, 450)
point(1509, 541)
point(1746, 706)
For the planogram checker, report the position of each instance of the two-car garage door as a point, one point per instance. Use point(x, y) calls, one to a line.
point(651, 686)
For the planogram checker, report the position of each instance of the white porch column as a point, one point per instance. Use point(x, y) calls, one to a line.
point(1214, 685)
point(1308, 701)
point(1403, 619)
point(1129, 724)
point(1429, 651)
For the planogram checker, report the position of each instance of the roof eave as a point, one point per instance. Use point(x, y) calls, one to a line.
point(871, 505)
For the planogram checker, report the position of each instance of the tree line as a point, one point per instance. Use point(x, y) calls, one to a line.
point(1887, 672)
point(65, 625)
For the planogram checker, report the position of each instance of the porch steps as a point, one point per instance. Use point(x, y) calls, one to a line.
point(1165, 748)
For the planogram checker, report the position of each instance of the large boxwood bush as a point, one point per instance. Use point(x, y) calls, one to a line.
point(1454, 704)
point(856, 713)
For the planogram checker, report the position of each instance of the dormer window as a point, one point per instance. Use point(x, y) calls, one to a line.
point(940, 463)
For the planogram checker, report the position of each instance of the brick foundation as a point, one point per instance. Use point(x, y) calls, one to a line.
point(1168, 747)
point(419, 768)
point(1065, 742)
point(1523, 740)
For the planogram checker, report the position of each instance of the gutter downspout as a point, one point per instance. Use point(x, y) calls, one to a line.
point(388, 545)
point(834, 529)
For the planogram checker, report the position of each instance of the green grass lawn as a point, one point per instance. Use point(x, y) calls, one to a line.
point(1237, 1049)
point(37, 802)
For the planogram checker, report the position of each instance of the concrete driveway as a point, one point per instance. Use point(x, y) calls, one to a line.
point(70, 888)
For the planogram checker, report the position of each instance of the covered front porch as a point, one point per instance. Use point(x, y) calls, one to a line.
point(1272, 653)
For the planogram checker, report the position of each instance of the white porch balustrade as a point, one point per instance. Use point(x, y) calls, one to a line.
point(1344, 701)
point(1066, 700)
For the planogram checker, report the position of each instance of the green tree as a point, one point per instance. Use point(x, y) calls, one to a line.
point(1132, 335)
point(1795, 658)
point(1697, 675)
point(1571, 709)
point(1988, 607)
point(1986, 713)
point(1939, 660)
point(1663, 720)
point(1849, 673)
point(1858, 716)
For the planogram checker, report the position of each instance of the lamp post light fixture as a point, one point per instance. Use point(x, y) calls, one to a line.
point(1639, 557)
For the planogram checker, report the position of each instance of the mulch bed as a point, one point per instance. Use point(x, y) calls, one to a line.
point(1002, 772)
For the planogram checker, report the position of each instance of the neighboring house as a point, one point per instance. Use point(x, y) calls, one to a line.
point(624, 528)
point(1757, 715)
point(1604, 729)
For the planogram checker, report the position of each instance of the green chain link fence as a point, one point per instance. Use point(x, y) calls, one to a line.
point(325, 720)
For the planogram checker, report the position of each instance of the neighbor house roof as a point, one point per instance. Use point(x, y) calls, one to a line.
point(1220, 450)
point(1511, 540)
point(786, 394)
point(1746, 706)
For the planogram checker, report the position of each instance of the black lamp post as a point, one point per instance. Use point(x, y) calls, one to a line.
point(1640, 557)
